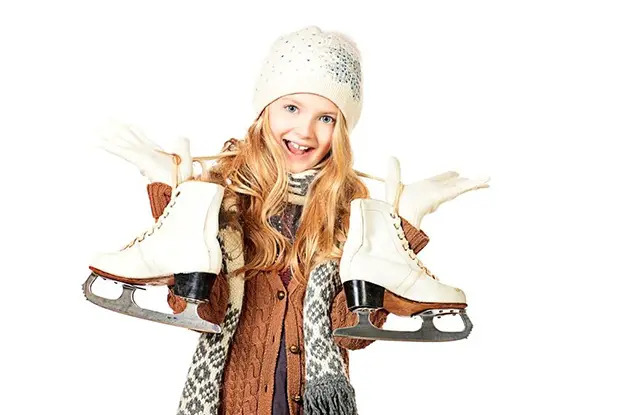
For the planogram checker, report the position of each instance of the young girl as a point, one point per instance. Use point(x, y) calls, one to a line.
point(283, 222)
point(288, 187)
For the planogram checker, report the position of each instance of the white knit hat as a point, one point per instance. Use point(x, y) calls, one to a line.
point(312, 61)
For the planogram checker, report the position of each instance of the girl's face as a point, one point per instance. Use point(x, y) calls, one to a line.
point(307, 120)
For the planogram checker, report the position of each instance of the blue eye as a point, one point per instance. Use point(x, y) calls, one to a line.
point(332, 120)
point(293, 108)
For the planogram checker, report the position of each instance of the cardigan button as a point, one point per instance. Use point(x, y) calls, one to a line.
point(297, 398)
point(280, 295)
point(294, 349)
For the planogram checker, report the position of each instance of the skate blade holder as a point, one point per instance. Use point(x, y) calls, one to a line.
point(426, 333)
point(125, 304)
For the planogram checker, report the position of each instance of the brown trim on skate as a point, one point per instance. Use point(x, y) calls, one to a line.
point(163, 280)
point(416, 237)
point(402, 307)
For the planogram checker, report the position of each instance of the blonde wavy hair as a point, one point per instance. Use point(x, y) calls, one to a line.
point(255, 177)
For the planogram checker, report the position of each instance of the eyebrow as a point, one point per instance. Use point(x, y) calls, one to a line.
point(295, 101)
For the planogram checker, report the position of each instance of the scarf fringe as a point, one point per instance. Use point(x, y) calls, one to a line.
point(330, 395)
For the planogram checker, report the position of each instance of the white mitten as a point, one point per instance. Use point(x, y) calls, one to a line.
point(128, 142)
point(421, 198)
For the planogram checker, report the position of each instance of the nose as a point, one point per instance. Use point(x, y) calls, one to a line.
point(305, 129)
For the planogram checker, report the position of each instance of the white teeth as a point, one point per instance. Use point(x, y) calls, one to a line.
point(296, 146)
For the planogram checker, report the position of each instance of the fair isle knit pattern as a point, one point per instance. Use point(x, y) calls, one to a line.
point(201, 394)
point(299, 184)
point(328, 390)
point(203, 383)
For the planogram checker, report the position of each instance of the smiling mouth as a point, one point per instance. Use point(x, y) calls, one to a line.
point(295, 151)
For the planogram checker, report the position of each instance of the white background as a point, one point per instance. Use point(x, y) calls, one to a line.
point(534, 94)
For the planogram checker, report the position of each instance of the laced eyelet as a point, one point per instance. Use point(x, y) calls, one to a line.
point(156, 226)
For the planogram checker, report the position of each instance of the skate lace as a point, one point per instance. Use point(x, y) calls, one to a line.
point(401, 233)
point(157, 225)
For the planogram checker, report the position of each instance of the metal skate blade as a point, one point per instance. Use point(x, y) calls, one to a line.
point(427, 333)
point(125, 304)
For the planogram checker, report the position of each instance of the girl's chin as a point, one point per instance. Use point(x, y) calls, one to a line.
point(298, 168)
point(299, 163)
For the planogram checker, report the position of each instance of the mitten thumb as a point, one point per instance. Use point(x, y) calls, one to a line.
point(182, 149)
point(392, 179)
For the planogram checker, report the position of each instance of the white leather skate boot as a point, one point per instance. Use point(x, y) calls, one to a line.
point(378, 269)
point(181, 248)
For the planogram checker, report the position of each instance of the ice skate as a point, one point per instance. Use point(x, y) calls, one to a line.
point(378, 269)
point(180, 249)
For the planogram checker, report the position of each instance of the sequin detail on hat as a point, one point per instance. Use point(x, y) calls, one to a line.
point(346, 69)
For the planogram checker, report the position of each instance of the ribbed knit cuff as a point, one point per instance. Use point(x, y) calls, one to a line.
point(416, 237)
point(159, 196)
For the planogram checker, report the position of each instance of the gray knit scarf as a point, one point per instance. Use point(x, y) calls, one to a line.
point(328, 390)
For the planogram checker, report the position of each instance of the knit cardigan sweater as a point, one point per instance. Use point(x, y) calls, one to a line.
point(271, 321)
